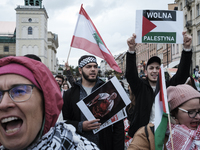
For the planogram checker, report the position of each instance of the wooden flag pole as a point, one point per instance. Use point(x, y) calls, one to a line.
point(69, 53)
point(170, 129)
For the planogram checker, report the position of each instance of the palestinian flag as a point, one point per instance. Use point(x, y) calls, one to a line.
point(161, 110)
point(86, 37)
point(159, 26)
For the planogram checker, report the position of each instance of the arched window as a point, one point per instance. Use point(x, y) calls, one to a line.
point(30, 30)
point(31, 2)
point(26, 2)
point(37, 3)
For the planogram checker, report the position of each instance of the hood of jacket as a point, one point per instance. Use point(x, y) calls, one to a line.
point(51, 92)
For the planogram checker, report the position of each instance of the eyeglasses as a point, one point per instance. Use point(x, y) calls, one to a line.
point(192, 113)
point(59, 80)
point(18, 93)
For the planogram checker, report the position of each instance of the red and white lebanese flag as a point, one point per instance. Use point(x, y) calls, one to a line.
point(161, 110)
point(87, 37)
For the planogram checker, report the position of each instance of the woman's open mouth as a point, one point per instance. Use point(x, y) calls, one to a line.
point(11, 124)
point(194, 124)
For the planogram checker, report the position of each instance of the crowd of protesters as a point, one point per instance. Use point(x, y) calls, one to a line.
point(39, 111)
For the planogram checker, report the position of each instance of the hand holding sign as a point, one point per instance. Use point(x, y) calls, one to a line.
point(187, 40)
point(131, 42)
point(91, 125)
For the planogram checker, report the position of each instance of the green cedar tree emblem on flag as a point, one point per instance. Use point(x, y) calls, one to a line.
point(97, 38)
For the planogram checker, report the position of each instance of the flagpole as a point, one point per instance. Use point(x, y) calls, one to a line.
point(69, 53)
point(170, 129)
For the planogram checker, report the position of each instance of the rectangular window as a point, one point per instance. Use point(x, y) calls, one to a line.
point(173, 49)
point(198, 36)
point(185, 19)
point(6, 49)
point(197, 10)
point(181, 6)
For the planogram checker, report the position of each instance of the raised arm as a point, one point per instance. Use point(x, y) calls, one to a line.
point(183, 71)
point(187, 41)
point(70, 77)
point(131, 68)
point(131, 42)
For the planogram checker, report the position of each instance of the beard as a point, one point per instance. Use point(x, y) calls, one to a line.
point(151, 81)
point(86, 77)
point(60, 85)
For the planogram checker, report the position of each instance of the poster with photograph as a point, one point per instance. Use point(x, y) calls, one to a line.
point(104, 102)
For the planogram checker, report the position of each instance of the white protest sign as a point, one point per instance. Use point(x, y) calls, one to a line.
point(159, 26)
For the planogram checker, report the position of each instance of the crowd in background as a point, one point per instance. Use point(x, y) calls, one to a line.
point(39, 111)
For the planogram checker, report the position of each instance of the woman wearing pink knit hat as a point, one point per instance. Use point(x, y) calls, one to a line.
point(30, 103)
point(184, 103)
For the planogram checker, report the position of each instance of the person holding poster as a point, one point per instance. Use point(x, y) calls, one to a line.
point(111, 137)
point(144, 89)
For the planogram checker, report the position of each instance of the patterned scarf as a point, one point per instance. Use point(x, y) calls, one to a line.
point(61, 137)
point(183, 138)
point(87, 61)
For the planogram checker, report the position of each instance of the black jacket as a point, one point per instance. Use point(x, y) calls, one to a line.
point(144, 94)
point(111, 138)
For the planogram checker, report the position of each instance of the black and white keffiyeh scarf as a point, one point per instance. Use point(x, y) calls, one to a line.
point(87, 61)
point(62, 136)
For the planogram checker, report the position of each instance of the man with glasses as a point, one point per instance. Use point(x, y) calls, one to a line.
point(60, 79)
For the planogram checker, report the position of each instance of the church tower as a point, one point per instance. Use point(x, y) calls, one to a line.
point(31, 29)
point(33, 3)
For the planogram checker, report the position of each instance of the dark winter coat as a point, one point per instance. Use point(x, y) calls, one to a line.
point(111, 138)
point(144, 94)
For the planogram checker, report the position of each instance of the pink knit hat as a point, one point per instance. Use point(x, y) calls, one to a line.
point(179, 94)
point(20, 70)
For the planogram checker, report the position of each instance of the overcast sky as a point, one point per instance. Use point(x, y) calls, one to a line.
point(114, 19)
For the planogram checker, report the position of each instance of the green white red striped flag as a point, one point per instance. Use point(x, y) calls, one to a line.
point(86, 37)
point(161, 110)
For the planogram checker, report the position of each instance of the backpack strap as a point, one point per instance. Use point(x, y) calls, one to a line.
point(146, 132)
point(152, 129)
